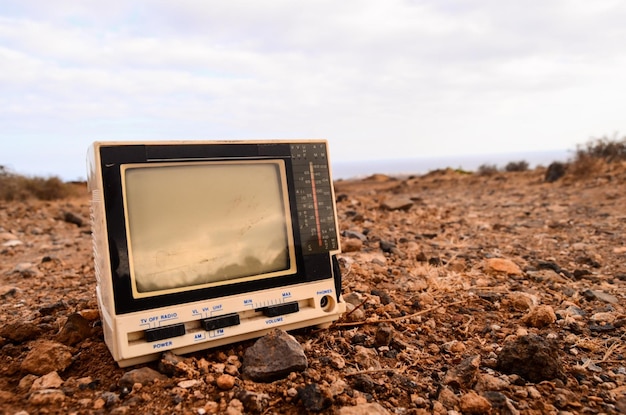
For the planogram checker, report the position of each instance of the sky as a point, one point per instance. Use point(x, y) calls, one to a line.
point(384, 79)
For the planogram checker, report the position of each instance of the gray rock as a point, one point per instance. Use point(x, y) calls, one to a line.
point(601, 296)
point(355, 235)
point(73, 218)
point(273, 357)
point(314, 398)
point(143, 375)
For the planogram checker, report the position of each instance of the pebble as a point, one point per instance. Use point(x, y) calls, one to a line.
point(20, 331)
point(522, 301)
point(47, 397)
point(253, 402)
point(47, 356)
point(76, 329)
point(225, 382)
point(540, 316)
point(12, 243)
point(189, 383)
point(314, 398)
point(27, 270)
point(366, 358)
point(472, 403)
point(7, 290)
point(397, 203)
point(603, 317)
point(143, 376)
point(273, 357)
point(50, 381)
point(351, 245)
point(601, 296)
point(464, 374)
point(502, 265)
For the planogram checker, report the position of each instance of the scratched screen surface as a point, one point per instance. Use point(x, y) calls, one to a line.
point(197, 225)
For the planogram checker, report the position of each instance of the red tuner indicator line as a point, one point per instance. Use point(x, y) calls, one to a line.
point(315, 207)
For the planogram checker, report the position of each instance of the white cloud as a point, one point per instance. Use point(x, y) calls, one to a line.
point(422, 77)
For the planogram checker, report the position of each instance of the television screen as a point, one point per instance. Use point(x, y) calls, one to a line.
point(205, 224)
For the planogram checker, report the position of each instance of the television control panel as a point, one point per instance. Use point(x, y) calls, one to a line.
point(142, 337)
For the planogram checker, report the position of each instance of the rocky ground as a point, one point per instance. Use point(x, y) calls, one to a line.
point(467, 293)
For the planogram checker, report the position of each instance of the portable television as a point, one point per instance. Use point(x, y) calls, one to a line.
point(199, 244)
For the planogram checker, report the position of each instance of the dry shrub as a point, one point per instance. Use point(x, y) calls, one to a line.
point(592, 157)
point(17, 187)
point(487, 169)
point(521, 165)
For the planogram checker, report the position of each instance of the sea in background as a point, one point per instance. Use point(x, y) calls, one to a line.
point(417, 166)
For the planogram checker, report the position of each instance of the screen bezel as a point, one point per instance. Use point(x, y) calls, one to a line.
point(309, 266)
point(283, 201)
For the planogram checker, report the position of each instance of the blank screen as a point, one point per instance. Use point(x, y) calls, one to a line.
point(194, 225)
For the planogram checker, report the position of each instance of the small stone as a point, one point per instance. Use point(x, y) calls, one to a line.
point(225, 382)
point(73, 218)
point(601, 296)
point(540, 316)
point(47, 397)
point(366, 358)
point(253, 402)
point(464, 374)
point(12, 243)
point(26, 383)
point(174, 365)
point(273, 357)
point(487, 382)
point(189, 383)
point(522, 301)
point(501, 265)
point(532, 357)
point(235, 407)
point(20, 331)
point(75, 330)
point(454, 346)
point(447, 398)
point(351, 245)
point(397, 203)
point(46, 357)
point(143, 376)
point(110, 399)
point(384, 335)
point(355, 235)
point(472, 403)
point(7, 291)
point(314, 398)
point(604, 317)
point(364, 409)
point(51, 380)
point(336, 360)
point(27, 270)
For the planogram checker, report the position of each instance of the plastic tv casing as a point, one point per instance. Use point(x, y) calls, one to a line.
point(198, 244)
